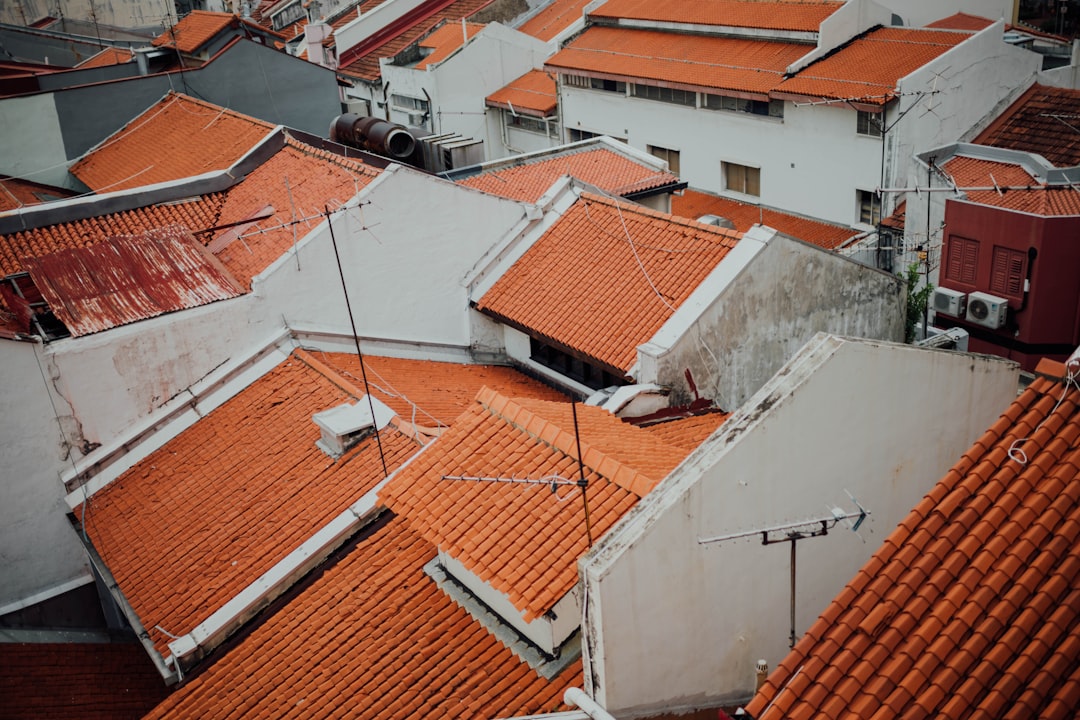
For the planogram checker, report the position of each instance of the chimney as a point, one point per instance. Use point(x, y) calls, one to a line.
point(142, 59)
point(762, 672)
point(345, 425)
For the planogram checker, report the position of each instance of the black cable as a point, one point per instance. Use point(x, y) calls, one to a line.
point(356, 339)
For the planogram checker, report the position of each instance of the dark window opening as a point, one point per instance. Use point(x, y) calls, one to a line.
point(572, 367)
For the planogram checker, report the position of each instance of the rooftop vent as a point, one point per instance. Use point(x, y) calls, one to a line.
point(345, 425)
point(717, 221)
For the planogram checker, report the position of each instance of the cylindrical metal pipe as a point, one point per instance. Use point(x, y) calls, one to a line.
point(373, 134)
point(577, 698)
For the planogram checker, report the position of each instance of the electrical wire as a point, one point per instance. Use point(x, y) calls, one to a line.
point(1016, 452)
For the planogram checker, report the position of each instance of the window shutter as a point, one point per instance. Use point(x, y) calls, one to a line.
point(1007, 272)
point(963, 260)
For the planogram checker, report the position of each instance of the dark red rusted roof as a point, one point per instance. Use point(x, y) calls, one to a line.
point(128, 278)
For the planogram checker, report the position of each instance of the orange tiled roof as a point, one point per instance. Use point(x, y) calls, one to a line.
point(16, 193)
point(525, 540)
point(177, 137)
point(531, 94)
point(195, 214)
point(199, 27)
point(898, 217)
point(588, 282)
point(553, 19)
point(433, 393)
point(791, 15)
point(90, 681)
point(683, 60)
point(1021, 192)
point(108, 56)
point(971, 607)
point(611, 172)
point(315, 178)
point(961, 21)
point(869, 67)
point(1041, 122)
point(688, 433)
point(445, 41)
point(188, 527)
point(199, 519)
point(365, 65)
point(693, 204)
point(374, 636)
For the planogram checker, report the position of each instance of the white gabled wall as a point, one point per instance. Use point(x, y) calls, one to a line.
point(759, 313)
point(458, 85)
point(673, 623)
point(40, 550)
point(916, 13)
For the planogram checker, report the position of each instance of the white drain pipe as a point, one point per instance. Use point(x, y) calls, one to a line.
point(576, 697)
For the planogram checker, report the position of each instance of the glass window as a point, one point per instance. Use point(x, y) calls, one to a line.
point(743, 179)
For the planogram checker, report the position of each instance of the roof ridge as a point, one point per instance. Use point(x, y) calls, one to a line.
point(551, 434)
point(322, 154)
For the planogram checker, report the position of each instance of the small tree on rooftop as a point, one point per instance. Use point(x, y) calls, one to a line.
point(917, 300)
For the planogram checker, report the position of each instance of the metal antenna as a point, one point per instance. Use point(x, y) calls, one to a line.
point(582, 482)
point(791, 533)
point(356, 339)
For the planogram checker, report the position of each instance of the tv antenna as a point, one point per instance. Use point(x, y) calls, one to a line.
point(793, 532)
point(554, 481)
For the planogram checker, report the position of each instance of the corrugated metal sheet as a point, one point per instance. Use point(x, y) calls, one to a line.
point(129, 278)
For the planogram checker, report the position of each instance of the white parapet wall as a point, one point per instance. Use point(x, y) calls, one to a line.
point(673, 623)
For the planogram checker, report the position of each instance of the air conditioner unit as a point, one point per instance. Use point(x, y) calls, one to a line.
point(949, 301)
point(987, 310)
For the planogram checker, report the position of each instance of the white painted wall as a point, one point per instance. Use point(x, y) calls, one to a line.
point(812, 161)
point(756, 315)
point(39, 551)
point(673, 623)
point(457, 86)
point(32, 145)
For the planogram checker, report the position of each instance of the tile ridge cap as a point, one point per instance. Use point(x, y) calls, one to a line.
point(533, 425)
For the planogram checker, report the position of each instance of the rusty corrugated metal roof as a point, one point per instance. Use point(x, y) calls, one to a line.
point(128, 278)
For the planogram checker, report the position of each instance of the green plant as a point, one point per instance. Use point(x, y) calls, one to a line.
point(917, 300)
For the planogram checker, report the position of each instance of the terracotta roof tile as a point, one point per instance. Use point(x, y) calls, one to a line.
point(194, 214)
point(372, 632)
point(199, 519)
point(16, 193)
point(993, 628)
point(524, 540)
point(444, 41)
point(297, 183)
point(896, 220)
point(792, 15)
point(108, 56)
point(175, 138)
point(362, 61)
point(89, 681)
point(198, 27)
point(869, 67)
point(680, 60)
point(693, 204)
point(608, 170)
point(1032, 124)
point(553, 19)
point(961, 21)
point(1019, 190)
point(555, 290)
point(531, 94)
point(688, 433)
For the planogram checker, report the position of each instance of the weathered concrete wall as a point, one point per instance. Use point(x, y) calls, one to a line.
point(766, 313)
point(31, 145)
point(916, 13)
point(39, 552)
point(672, 622)
point(119, 13)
